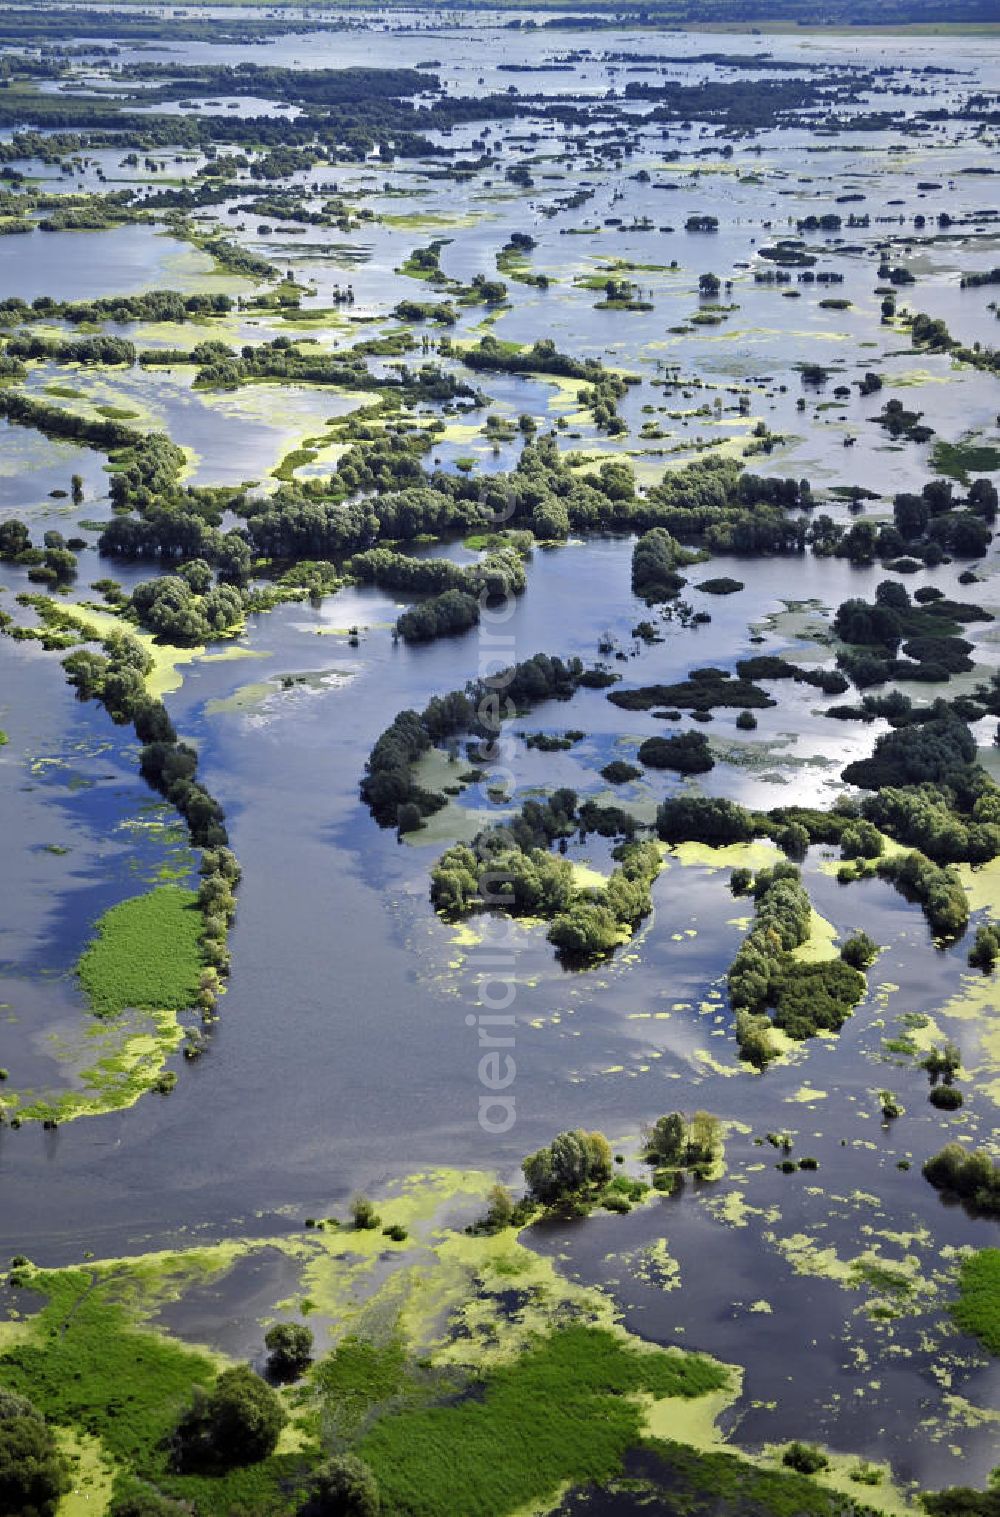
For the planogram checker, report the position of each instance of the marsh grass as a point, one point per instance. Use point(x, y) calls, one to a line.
point(720, 1483)
point(86, 1367)
point(977, 1310)
point(560, 1412)
point(145, 955)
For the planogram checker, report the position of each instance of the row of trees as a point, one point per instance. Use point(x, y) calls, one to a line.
point(149, 305)
point(117, 678)
point(101, 349)
point(389, 782)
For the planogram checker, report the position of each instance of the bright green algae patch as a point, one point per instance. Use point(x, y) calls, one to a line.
point(145, 955)
point(977, 1310)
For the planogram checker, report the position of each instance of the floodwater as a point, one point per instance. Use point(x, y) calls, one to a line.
point(342, 1058)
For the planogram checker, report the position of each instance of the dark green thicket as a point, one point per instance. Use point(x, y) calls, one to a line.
point(703, 690)
point(687, 753)
point(972, 1177)
point(656, 558)
point(802, 997)
point(33, 1474)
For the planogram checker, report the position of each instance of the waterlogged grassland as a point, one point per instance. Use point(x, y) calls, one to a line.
point(88, 1368)
point(107, 1066)
point(557, 1374)
point(977, 1310)
point(566, 1405)
point(145, 955)
point(435, 1357)
point(139, 973)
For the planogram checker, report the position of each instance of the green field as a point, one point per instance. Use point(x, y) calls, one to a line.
point(560, 1412)
point(977, 1310)
point(145, 954)
point(90, 1369)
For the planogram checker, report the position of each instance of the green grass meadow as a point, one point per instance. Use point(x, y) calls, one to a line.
point(145, 955)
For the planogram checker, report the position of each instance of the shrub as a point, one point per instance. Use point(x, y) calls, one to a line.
point(289, 1349)
point(616, 1202)
point(363, 1214)
point(344, 1487)
point(986, 950)
point(805, 1458)
point(860, 951)
point(618, 772)
point(974, 1177)
point(145, 1502)
point(945, 1097)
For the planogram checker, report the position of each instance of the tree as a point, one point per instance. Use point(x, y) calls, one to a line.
point(289, 1346)
point(574, 1161)
point(500, 1209)
point(666, 1140)
point(344, 1487)
point(704, 1138)
point(586, 930)
point(33, 1474)
point(860, 951)
point(963, 1501)
point(237, 1422)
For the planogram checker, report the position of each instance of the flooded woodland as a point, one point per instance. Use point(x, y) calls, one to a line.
point(499, 720)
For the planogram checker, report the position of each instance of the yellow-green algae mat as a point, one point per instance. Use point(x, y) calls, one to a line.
point(442, 1293)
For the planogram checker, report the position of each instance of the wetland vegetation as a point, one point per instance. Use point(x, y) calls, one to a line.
point(590, 424)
